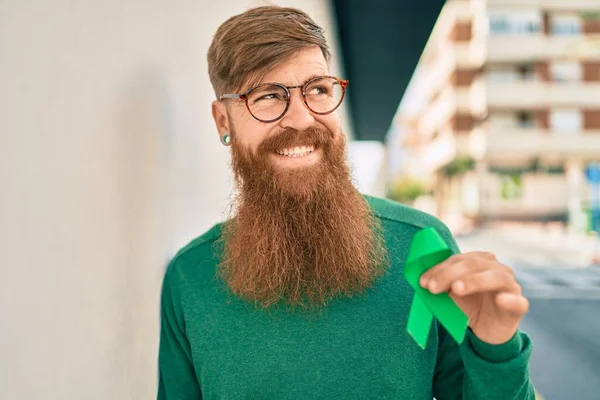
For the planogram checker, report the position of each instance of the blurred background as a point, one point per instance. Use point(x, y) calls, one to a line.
point(485, 113)
point(498, 134)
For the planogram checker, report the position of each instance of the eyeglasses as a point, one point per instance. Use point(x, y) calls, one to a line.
point(268, 102)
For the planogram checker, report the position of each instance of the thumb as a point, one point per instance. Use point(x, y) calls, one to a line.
point(515, 304)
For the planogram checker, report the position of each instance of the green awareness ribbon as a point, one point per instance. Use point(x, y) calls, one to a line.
point(428, 249)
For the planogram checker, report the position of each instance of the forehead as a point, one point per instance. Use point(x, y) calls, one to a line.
point(299, 68)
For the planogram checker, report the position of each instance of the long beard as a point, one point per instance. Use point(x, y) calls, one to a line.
point(299, 235)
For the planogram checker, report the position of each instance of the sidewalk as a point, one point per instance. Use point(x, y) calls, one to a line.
point(533, 244)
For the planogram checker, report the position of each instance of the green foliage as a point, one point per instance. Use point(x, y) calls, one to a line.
point(590, 15)
point(458, 166)
point(407, 190)
point(535, 166)
point(512, 186)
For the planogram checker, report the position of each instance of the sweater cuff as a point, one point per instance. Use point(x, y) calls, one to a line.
point(496, 353)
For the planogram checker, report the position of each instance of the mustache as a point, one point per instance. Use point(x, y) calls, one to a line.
point(313, 136)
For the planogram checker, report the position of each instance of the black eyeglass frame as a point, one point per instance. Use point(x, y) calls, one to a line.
point(244, 96)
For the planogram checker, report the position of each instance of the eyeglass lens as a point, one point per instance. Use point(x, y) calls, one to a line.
point(269, 102)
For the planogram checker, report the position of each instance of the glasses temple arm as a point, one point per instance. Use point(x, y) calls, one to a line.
point(229, 96)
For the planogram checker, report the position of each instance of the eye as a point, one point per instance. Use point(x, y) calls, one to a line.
point(316, 90)
point(270, 96)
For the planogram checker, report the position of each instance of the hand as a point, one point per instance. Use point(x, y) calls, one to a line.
point(484, 289)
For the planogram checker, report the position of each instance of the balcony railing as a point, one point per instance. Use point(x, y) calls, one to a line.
point(535, 46)
point(536, 94)
point(535, 142)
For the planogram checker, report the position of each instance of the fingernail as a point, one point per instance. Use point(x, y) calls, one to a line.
point(433, 286)
point(424, 282)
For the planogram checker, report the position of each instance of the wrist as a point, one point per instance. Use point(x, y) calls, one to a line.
point(496, 352)
point(497, 336)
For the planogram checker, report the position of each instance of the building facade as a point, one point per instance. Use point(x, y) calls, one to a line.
point(502, 115)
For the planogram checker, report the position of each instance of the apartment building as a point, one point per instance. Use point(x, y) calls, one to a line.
point(502, 114)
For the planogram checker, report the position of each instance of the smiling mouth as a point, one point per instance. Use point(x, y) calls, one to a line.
point(294, 152)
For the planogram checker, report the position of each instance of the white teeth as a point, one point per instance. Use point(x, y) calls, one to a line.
point(298, 151)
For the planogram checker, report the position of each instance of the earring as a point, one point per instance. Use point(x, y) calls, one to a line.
point(226, 139)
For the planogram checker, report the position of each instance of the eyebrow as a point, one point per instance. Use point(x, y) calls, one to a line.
point(312, 76)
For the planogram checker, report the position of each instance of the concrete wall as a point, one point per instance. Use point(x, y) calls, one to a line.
point(109, 162)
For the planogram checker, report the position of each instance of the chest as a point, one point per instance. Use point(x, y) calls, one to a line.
point(355, 348)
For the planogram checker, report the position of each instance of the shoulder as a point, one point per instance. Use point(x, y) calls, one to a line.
point(401, 213)
point(400, 216)
point(197, 256)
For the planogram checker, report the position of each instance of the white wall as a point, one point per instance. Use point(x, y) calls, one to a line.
point(368, 165)
point(109, 162)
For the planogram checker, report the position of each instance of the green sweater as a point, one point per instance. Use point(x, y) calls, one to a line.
point(216, 346)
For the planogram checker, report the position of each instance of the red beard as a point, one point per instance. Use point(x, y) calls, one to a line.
point(300, 235)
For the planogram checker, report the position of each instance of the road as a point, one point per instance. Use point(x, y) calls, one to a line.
point(565, 363)
point(564, 317)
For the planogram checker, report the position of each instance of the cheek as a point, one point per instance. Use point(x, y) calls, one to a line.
point(249, 132)
point(332, 122)
point(251, 135)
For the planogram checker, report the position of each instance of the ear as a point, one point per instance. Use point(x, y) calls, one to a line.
point(219, 113)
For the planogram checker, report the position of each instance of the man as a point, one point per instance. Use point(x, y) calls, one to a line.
point(301, 294)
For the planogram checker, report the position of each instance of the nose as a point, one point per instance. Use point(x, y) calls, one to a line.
point(298, 116)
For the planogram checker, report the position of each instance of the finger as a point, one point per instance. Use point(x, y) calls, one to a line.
point(455, 259)
point(427, 275)
point(485, 254)
point(515, 304)
point(498, 279)
point(441, 281)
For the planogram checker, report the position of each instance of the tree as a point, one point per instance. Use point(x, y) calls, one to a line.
point(407, 190)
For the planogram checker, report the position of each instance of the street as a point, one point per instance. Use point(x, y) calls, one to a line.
point(565, 363)
point(564, 317)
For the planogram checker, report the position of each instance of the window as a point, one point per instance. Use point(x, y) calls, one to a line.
point(502, 121)
point(565, 71)
point(526, 119)
point(512, 22)
point(499, 25)
point(526, 72)
point(565, 25)
point(565, 120)
point(511, 73)
point(501, 74)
